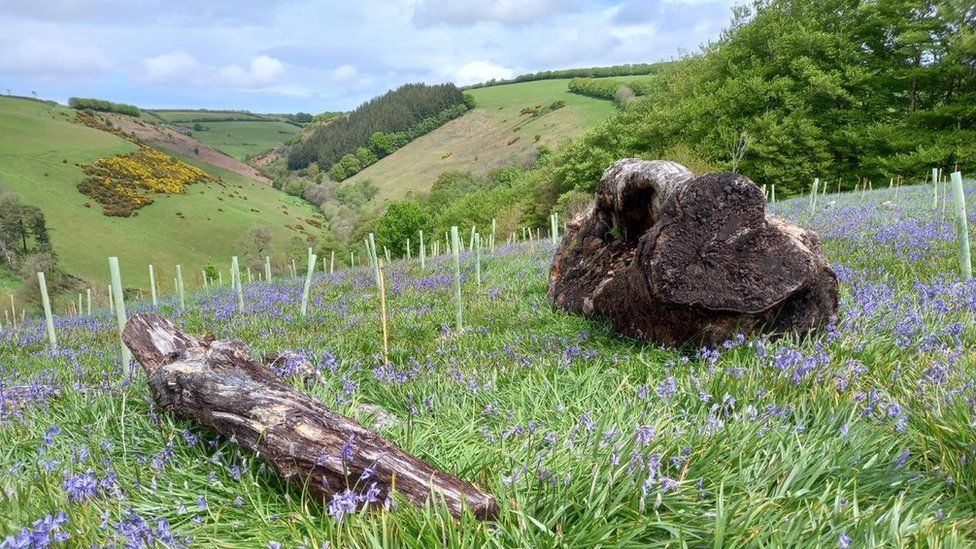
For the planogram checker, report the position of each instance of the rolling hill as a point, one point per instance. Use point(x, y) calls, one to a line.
point(40, 150)
point(236, 133)
point(495, 134)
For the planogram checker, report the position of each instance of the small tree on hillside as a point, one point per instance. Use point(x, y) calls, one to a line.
point(402, 221)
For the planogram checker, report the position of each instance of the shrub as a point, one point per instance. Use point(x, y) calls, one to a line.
point(126, 182)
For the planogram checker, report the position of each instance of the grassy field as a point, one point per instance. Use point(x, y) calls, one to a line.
point(240, 139)
point(861, 436)
point(39, 150)
point(493, 135)
point(190, 116)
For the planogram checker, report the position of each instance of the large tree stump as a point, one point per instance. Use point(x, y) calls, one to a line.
point(218, 384)
point(679, 259)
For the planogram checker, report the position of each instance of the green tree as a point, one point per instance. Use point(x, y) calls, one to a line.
point(402, 221)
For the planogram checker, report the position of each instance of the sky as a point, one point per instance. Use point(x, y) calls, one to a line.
point(313, 55)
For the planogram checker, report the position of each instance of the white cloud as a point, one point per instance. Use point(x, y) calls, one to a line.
point(506, 12)
point(46, 58)
point(345, 73)
point(263, 72)
point(173, 66)
point(480, 71)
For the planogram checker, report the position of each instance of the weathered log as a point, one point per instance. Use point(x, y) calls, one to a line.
point(679, 259)
point(219, 385)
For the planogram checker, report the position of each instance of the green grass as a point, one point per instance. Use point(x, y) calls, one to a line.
point(189, 116)
point(771, 443)
point(240, 139)
point(39, 152)
point(493, 135)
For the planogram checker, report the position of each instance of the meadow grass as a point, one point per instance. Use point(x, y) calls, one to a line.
point(242, 138)
point(493, 135)
point(860, 435)
point(40, 149)
point(189, 116)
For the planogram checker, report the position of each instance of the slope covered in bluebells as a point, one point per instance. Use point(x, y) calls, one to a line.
point(860, 436)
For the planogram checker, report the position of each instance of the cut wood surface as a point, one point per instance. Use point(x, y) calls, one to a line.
point(679, 259)
point(218, 384)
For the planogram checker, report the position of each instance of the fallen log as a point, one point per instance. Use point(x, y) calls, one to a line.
point(218, 384)
point(679, 259)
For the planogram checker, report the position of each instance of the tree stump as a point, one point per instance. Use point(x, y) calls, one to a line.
point(678, 259)
point(219, 385)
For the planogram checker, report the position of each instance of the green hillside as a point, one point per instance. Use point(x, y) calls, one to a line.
point(190, 116)
point(242, 138)
point(39, 151)
point(495, 134)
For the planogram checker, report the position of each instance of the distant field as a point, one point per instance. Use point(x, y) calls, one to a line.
point(493, 135)
point(240, 139)
point(190, 115)
point(39, 150)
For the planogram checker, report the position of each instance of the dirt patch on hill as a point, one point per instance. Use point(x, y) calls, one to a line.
point(175, 142)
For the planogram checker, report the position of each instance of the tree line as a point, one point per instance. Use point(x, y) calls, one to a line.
point(633, 69)
point(404, 109)
point(616, 89)
point(88, 103)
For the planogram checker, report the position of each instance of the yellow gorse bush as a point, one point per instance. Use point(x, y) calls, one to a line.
point(126, 182)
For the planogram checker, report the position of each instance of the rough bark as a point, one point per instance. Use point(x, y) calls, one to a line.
point(679, 259)
point(219, 385)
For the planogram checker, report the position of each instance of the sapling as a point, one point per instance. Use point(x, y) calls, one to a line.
point(477, 259)
point(423, 252)
point(48, 318)
point(152, 286)
point(456, 251)
point(220, 278)
point(962, 226)
point(935, 188)
point(332, 263)
point(386, 338)
point(308, 283)
point(408, 249)
point(236, 279)
point(180, 290)
point(249, 279)
point(813, 195)
point(113, 265)
point(492, 237)
point(88, 301)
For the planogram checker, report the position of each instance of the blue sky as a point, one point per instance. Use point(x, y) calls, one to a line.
point(313, 56)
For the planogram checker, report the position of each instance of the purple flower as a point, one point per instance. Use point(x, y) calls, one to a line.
point(669, 484)
point(668, 388)
point(81, 487)
point(646, 434)
point(844, 541)
point(202, 503)
point(343, 504)
point(348, 450)
point(42, 533)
